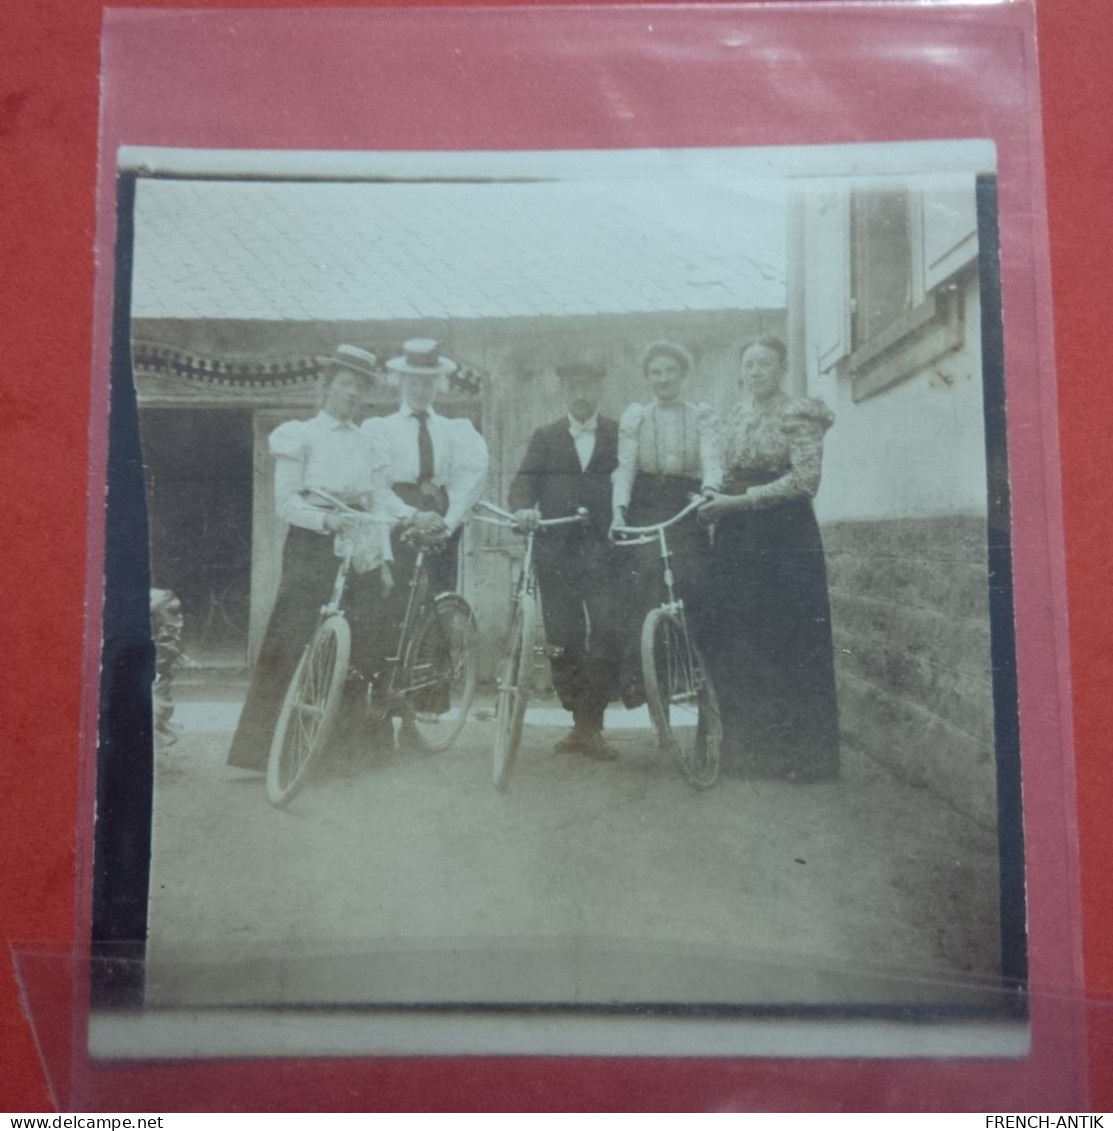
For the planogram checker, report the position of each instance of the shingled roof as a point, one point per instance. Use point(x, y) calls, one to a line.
point(291, 251)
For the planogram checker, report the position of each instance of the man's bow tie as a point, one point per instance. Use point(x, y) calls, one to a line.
point(577, 429)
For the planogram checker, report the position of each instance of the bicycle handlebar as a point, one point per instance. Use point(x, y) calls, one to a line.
point(343, 508)
point(648, 531)
point(507, 519)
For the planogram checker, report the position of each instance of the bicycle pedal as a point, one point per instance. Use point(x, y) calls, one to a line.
point(375, 702)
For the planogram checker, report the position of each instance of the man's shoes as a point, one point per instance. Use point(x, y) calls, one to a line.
point(571, 743)
point(587, 742)
point(596, 747)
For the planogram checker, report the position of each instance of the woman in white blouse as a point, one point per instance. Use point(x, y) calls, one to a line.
point(437, 465)
point(667, 452)
point(331, 453)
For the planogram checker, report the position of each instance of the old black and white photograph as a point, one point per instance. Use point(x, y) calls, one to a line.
point(572, 595)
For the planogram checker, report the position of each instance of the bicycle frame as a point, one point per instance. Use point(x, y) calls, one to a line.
point(644, 535)
point(419, 590)
point(317, 686)
point(515, 671)
point(334, 606)
point(415, 603)
point(686, 683)
point(527, 578)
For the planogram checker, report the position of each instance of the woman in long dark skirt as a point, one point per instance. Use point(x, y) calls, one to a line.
point(771, 653)
point(667, 452)
point(328, 452)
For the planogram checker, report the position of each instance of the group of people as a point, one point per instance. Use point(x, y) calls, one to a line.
point(748, 563)
point(416, 471)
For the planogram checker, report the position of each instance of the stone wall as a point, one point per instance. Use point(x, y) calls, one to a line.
point(912, 652)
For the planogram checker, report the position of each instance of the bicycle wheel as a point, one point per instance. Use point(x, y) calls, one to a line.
point(682, 700)
point(440, 674)
point(309, 710)
point(515, 678)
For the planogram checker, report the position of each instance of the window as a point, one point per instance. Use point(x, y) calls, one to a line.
point(880, 262)
point(904, 312)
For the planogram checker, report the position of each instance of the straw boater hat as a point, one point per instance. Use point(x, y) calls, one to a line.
point(421, 357)
point(356, 359)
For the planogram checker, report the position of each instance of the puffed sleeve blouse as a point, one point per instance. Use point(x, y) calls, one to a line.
point(673, 439)
point(325, 453)
point(785, 439)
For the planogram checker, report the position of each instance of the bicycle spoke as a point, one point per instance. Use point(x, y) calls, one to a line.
point(302, 741)
point(440, 677)
point(514, 677)
point(682, 702)
point(306, 717)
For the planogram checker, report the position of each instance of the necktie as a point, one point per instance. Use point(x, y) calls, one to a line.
point(424, 447)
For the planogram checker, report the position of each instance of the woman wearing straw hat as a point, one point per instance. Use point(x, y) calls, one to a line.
point(437, 464)
point(332, 454)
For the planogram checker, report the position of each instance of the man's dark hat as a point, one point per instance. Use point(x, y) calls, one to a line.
point(588, 369)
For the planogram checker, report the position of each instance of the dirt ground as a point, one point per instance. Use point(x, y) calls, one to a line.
point(404, 877)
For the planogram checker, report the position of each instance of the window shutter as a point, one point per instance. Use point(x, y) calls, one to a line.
point(950, 227)
point(827, 272)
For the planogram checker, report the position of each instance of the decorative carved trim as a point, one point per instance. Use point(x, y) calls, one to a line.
point(159, 366)
point(169, 364)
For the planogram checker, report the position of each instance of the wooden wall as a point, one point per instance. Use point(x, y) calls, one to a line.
point(517, 358)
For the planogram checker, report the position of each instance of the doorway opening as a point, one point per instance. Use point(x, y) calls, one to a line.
point(199, 484)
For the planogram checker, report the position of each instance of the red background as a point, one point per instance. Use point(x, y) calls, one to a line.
point(49, 60)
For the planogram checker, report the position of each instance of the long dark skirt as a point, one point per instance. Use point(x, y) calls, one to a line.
point(656, 498)
point(309, 568)
point(770, 652)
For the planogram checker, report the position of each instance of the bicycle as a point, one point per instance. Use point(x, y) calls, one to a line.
point(515, 671)
point(678, 689)
point(429, 679)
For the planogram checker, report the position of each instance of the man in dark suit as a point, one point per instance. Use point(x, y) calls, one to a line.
point(568, 465)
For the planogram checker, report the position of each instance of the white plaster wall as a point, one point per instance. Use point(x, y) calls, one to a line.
point(915, 450)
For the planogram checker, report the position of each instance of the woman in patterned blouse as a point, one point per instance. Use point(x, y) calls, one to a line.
point(771, 655)
point(667, 451)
